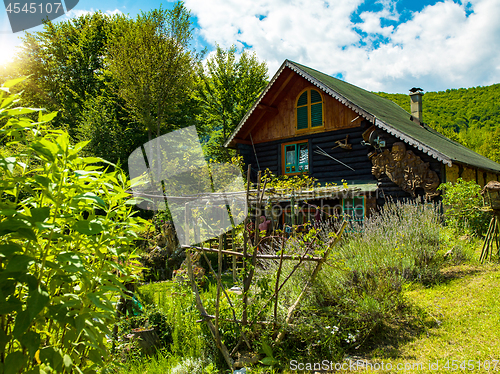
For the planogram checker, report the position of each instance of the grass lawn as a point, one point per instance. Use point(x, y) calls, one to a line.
point(466, 313)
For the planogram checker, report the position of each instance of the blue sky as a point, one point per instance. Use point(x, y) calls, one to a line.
point(380, 45)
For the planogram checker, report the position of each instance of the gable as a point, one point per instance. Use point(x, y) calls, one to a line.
point(282, 123)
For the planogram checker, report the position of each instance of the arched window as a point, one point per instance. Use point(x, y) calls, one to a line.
point(309, 110)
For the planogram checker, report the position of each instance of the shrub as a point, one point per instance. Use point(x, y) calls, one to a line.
point(360, 289)
point(400, 244)
point(66, 231)
point(462, 201)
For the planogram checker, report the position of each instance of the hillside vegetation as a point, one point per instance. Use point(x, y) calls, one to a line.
point(470, 116)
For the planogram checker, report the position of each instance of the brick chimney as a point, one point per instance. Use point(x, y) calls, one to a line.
point(416, 104)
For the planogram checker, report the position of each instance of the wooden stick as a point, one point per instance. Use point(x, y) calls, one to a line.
point(217, 298)
point(498, 232)
point(248, 279)
point(332, 243)
point(495, 237)
point(259, 256)
point(201, 309)
point(276, 286)
point(484, 251)
point(286, 280)
point(230, 303)
point(245, 253)
point(233, 249)
point(208, 316)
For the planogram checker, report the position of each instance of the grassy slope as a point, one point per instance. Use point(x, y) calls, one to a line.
point(467, 311)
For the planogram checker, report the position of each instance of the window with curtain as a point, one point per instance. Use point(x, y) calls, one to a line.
point(295, 158)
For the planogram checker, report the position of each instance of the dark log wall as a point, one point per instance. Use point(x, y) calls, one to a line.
point(327, 170)
point(320, 167)
point(324, 169)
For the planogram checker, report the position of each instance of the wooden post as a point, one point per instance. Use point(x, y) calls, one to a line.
point(186, 224)
point(233, 248)
point(203, 312)
point(247, 281)
point(217, 300)
point(276, 286)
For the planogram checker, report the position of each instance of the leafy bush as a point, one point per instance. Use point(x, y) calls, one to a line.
point(360, 288)
point(400, 244)
point(176, 302)
point(462, 201)
point(66, 231)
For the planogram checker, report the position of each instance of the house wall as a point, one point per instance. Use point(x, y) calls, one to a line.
point(327, 170)
point(320, 167)
point(283, 124)
point(468, 173)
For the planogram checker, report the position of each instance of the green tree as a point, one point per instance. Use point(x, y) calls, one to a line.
point(469, 116)
point(65, 65)
point(227, 87)
point(154, 68)
point(104, 125)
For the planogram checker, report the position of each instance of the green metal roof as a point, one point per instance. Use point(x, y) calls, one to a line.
point(389, 116)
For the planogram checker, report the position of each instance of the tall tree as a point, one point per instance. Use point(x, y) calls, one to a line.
point(151, 60)
point(227, 87)
point(65, 65)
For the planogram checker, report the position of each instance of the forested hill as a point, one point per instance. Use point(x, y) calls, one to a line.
point(470, 116)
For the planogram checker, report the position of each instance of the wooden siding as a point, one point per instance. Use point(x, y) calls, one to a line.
point(283, 124)
point(468, 173)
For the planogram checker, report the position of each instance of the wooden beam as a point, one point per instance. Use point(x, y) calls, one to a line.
point(268, 108)
point(242, 141)
point(282, 86)
point(273, 98)
point(251, 127)
point(264, 257)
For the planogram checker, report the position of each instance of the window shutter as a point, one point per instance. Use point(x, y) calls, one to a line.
point(302, 118)
point(317, 115)
point(302, 99)
point(315, 96)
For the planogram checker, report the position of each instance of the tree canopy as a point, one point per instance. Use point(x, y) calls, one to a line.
point(151, 61)
point(227, 88)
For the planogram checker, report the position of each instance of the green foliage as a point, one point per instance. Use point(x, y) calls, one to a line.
point(287, 182)
point(65, 65)
point(176, 302)
point(66, 231)
point(150, 60)
point(469, 116)
point(68, 73)
point(359, 292)
point(462, 201)
point(102, 125)
point(150, 317)
point(226, 89)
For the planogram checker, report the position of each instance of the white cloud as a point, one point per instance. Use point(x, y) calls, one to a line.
point(437, 48)
point(74, 13)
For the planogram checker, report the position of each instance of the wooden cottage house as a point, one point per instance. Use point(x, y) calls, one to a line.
point(309, 122)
